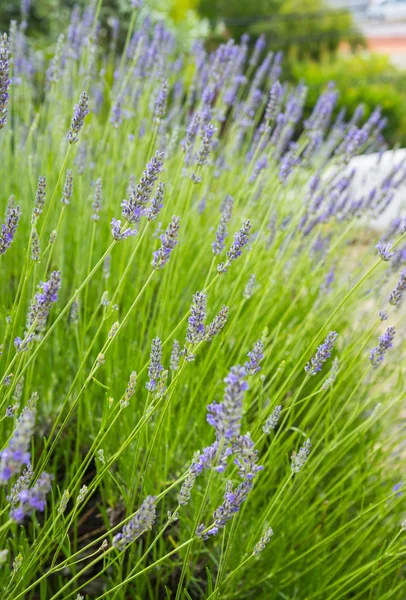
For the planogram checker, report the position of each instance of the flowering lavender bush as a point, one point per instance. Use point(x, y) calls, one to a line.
point(194, 403)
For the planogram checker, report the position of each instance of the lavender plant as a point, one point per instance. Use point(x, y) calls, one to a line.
point(179, 339)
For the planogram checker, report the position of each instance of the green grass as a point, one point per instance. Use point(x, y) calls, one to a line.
point(337, 523)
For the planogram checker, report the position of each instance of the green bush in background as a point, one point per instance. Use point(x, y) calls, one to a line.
point(361, 79)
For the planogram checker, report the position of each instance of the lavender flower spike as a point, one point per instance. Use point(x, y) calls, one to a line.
point(384, 251)
point(169, 240)
point(385, 342)
point(4, 79)
point(208, 458)
point(226, 416)
point(273, 420)
point(217, 324)
point(22, 483)
point(17, 452)
point(196, 330)
point(323, 353)
point(135, 207)
point(245, 457)
point(233, 500)
point(250, 287)
point(161, 102)
point(255, 357)
point(155, 365)
point(204, 152)
point(175, 356)
point(97, 199)
point(8, 229)
point(39, 200)
point(397, 294)
point(263, 541)
point(142, 521)
point(42, 302)
point(67, 188)
point(240, 240)
point(275, 96)
point(187, 486)
point(299, 459)
point(119, 234)
point(78, 119)
point(222, 231)
point(157, 202)
point(33, 499)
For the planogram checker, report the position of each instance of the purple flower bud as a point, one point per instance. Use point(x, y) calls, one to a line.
point(272, 420)
point(245, 457)
point(33, 499)
point(233, 499)
point(97, 199)
point(4, 79)
point(299, 459)
point(385, 342)
point(222, 231)
point(196, 330)
point(208, 131)
point(217, 324)
point(226, 416)
point(156, 202)
point(39, 200)
point(142, 521)
point(265, 539)
point(240, 240)
point(119, 234)
point(155, 365)
point(67, 188)
point(175, 356)
point(385, 251)
point(259, 47)
point(116, 117)
point(9, 228)
point(43, 300)
point(323, 353)
point(397, 294)
point(78, 119)
point(255, 356)
point(169, 240)
point(161, 102)
point(136, 206)
point(275, 97)
point(17, 452)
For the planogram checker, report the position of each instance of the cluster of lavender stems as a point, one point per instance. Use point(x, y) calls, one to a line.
point(226, 418)
point(273, 143)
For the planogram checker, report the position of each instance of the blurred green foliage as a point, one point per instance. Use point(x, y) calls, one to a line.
point(361, 79)
point(306, 30)
point(302, 28)
point(47, 18)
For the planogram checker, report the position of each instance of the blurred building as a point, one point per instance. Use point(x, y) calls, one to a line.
point(383, 24)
